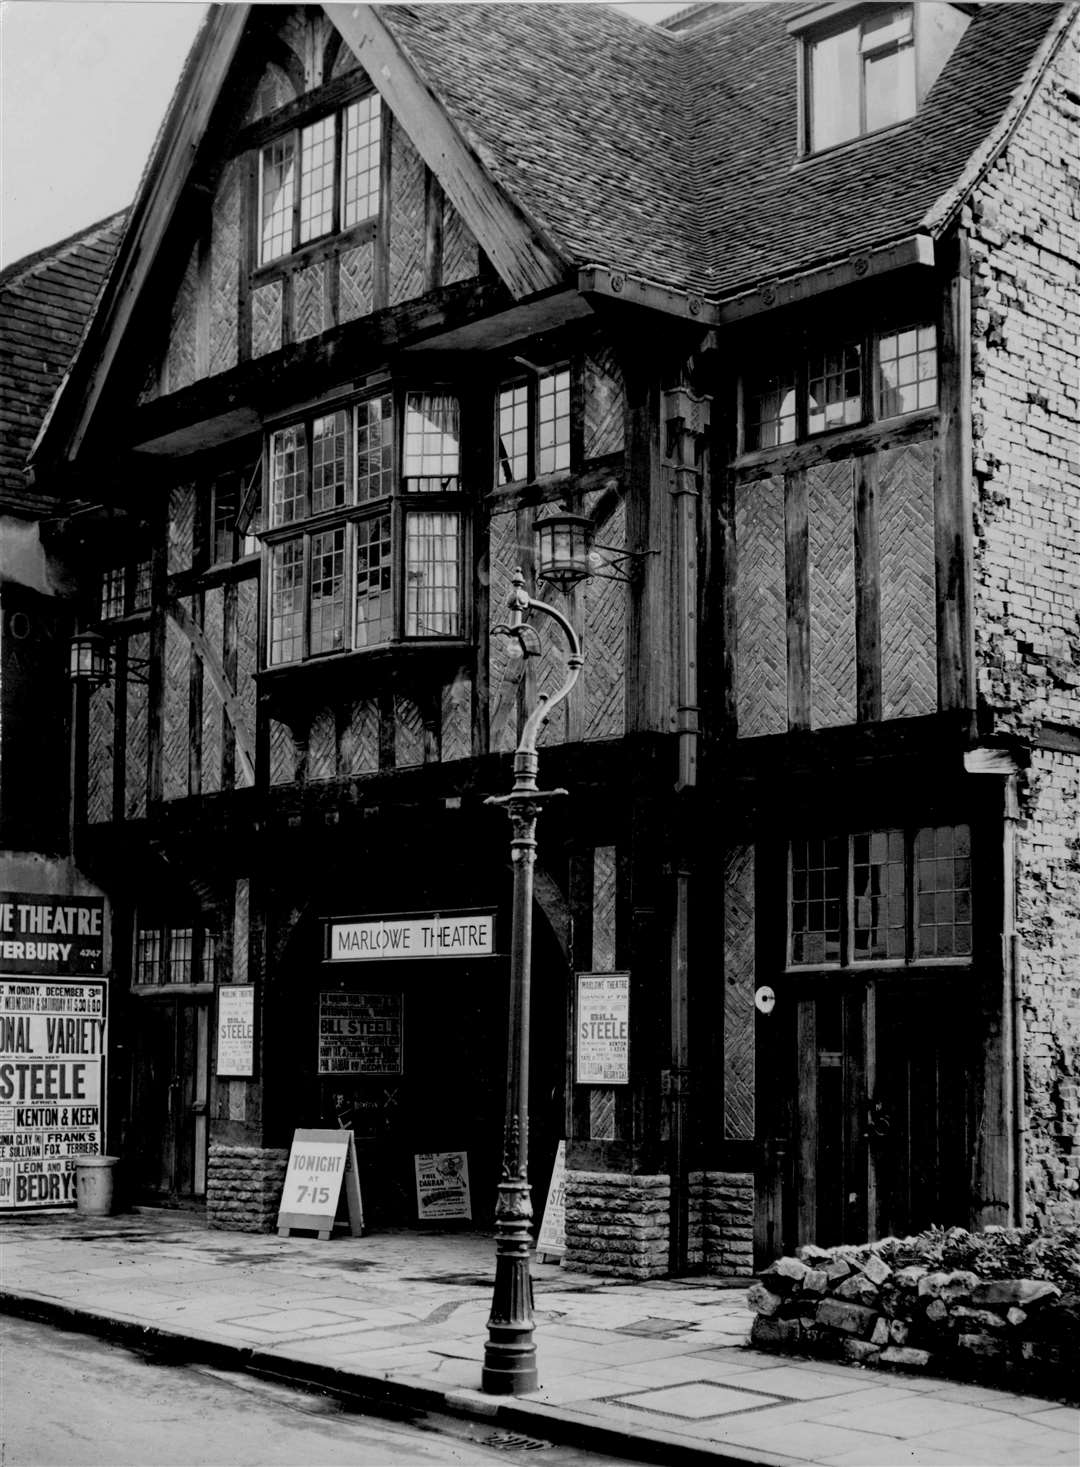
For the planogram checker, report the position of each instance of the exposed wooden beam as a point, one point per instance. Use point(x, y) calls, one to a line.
point(215, 671)
point(917, 250)
point(524, 257)
point(153, 215)
point(953, 529)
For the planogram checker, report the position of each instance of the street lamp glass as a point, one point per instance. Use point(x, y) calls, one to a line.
point(88, 659)
point(563, 542)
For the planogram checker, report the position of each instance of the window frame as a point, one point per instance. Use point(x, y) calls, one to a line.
point(301, 249)
point(397, 503)
point(531, 380)
point(135, 574)
point(855, 21)
point(207, 951)
point(795, 363)
point(848, 963)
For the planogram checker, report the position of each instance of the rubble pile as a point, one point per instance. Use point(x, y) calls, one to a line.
point(999, 1305)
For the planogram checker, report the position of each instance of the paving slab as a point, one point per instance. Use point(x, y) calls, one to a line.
point(657, 1371)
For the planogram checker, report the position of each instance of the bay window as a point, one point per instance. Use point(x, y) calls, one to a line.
point(365, 544)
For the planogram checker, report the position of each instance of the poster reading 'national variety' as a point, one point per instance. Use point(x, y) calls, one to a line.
point(52, 1057)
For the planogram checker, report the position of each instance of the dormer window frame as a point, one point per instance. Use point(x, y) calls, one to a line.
point(933, 33)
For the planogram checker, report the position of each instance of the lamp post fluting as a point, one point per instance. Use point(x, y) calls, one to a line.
point(510, 1351)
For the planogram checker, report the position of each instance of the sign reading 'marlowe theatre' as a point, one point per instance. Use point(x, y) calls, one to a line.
point(441, 935)
point(51, 935)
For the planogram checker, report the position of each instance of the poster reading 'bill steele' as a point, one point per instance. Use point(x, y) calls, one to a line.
point(52, 1060)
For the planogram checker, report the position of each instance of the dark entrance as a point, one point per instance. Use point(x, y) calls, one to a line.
point(169, 1087)
point(869, 1134)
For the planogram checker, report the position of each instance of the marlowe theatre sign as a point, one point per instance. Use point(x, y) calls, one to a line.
point(441, 935)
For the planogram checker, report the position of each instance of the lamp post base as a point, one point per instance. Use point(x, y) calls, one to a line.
point(510, 1351)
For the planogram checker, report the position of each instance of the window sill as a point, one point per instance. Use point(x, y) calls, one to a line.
point(862, 437)
point(163, 990)
point(314, 251)
point(808, 158)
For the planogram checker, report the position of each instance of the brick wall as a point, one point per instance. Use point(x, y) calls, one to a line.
point(617, 1224)
point(243, 1187)
point(722, 1223)
point(1024, 224)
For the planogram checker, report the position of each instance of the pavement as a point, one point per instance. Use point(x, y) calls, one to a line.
point(656, 1371)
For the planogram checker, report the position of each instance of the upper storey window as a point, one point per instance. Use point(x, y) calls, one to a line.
point(533, 427)
point(870, 66)
point(840, 384)
point(366, 538)
point(319, 179)
point(861, 77)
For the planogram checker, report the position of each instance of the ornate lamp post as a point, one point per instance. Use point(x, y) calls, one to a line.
point(510, 1351)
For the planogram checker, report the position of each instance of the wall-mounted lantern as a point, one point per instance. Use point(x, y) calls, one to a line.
point(89, 660)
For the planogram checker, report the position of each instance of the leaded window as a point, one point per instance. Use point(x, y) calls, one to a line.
point(827, 387)
point(319, 179)
point(533, 427)
point(896, 895)
point(180, 952)
point(353, 564)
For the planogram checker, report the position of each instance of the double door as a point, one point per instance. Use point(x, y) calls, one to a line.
point(867, 1131)
point(169, 1097)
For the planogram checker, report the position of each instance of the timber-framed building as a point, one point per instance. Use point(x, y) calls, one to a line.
point(782, 299)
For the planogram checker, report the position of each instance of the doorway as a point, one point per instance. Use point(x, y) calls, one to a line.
point(169, 1097)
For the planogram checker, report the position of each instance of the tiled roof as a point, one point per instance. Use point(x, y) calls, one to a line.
point(579, 111)
point(673, 154)
point(45, 303)
point(768, 214)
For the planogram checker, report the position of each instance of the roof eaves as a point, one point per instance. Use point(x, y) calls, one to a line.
point(941, 214)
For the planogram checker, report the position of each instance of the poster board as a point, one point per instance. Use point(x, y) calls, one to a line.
point(320, 1162)
point(53, 1043)
point(602, 1029)
point(442, 1185)
point(51, 936)
point(552, 1240)
point(360, 1033)
point(236, 1029)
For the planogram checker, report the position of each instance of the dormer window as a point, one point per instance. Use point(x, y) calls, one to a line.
point(870, 66)
point(319, 179)
point(861, 77)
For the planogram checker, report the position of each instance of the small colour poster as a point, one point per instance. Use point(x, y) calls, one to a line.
point(442, 1185)
point(603, 1029)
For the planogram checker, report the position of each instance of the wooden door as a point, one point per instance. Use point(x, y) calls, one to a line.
point(868, 1133)
point(170, 1085)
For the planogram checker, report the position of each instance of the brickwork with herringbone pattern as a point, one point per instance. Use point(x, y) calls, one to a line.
point(282, 754)
point(310, 316)
point(359, 746)
point(739, 1008)
point(356, 282)
point(504, 670)
point(604, 403)
point(831, 496)
point(181, 527)
point(176, 699)
point(601, 1113)
point(225, 251)
point(322, 746)
point(461, 253)
point(247, 611)
point(908, 618)
point(408, 732)
point(406, 219)
point(266, 318)
point(100, 763)
point(603, 910)
point(457, 717)
point(213, 628)
point(180, 356)
point(136, 741)
point(604, 673)
point(761, 608)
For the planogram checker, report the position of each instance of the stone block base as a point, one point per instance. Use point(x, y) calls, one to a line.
point(721, 1232)
point(617, 1224)
point(243, 1187)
